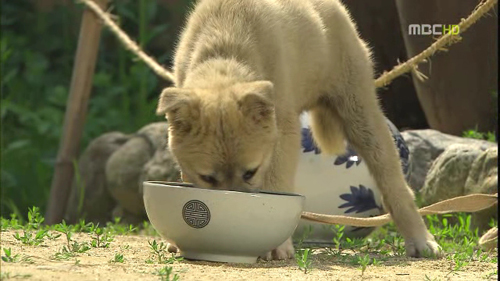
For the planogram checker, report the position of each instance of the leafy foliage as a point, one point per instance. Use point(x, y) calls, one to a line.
point(37, 56)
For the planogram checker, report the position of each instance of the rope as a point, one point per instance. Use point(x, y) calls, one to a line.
point(127, 42)
point(385, 79)
point(445, 40)
point(469, 203)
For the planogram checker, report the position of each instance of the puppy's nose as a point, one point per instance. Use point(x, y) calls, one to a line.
point(236, 187)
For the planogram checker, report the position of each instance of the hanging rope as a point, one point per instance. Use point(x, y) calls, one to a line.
point(385, 79)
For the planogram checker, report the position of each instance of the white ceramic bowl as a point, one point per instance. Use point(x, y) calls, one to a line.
point(219, 225)
point(338, 185)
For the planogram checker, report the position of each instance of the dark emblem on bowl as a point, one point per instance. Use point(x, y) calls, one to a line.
point(196, 214)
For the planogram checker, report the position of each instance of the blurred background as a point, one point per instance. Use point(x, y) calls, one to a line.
point(38, 44)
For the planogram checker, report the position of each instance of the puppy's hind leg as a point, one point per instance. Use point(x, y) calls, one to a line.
point(353, 100)
point(327, 130)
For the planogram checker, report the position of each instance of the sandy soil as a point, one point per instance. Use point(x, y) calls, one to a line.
point(95, 265)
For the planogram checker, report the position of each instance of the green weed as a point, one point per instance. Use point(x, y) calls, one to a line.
point(8, 257)
point(363, 262)
point(303, 260)
point(35, 82)
point(474, 134)
point(28, 238)
point(118, 258)
point(159, 252)
point(165, 274)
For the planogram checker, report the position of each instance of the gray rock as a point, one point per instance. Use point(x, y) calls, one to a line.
point(447, 175)
point(426, 145)
point(161, 167)
point(157, 133)
point(144, 157)
point(123, 170)
point(126, 217)
point(483, 178)
point(89, 197)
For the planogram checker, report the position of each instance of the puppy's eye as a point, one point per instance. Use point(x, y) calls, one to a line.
point(249, 174)
point(208, 179)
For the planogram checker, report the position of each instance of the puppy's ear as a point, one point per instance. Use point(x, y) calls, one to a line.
point(181, 107)
point(256, 100)
point(173, 98)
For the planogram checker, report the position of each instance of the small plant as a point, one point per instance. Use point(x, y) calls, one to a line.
point(158, 250)
point(66, 230)
point(71, 250)
point(12, 223)
point(72, 247)
point(79, 247)
point(116, 227)
point(461, 260)
point(306, 233)
point(34, 222)
point(118, 258)
point(396, 243)
point(355, 243)
point(303, 261)
point(29, 239)
point(34, 218)
point(8, 256)
point(474, 134)
point(82, 226)
point(101, 239)
point(339, 233)
point(363, 262)
point(63, 254)
point(165, 274)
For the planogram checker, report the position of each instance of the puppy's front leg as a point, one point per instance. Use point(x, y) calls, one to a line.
point(282, 252)
point(281, 174)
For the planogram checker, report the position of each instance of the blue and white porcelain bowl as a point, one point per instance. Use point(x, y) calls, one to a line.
point(338, 185)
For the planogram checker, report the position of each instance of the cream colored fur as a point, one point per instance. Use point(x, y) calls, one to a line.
point(246, 69)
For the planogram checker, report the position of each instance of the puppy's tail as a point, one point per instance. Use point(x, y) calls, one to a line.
point(327, 129)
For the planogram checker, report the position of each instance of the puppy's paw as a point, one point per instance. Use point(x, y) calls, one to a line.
point(172, 248)
point(283, 252)
point(424, 246)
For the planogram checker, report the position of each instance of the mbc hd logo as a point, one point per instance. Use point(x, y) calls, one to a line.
point(433, 29)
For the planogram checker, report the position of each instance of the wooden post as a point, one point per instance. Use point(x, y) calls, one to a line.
point(76, 111)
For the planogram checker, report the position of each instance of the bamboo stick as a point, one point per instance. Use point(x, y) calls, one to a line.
point(76, 111)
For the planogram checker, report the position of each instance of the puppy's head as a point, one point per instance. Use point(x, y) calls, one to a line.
point(222, 138)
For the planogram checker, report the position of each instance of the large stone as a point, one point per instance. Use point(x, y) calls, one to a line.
point(144, 157)
point(157, 133)
point(426, 145)
point(89, 197)
point(447, 175)
point(123, 171)
point(483, 178)
point(161, 167)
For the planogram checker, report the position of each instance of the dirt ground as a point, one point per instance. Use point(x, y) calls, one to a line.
point(95, 265)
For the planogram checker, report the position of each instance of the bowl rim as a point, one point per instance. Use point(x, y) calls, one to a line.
point(182, 185)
